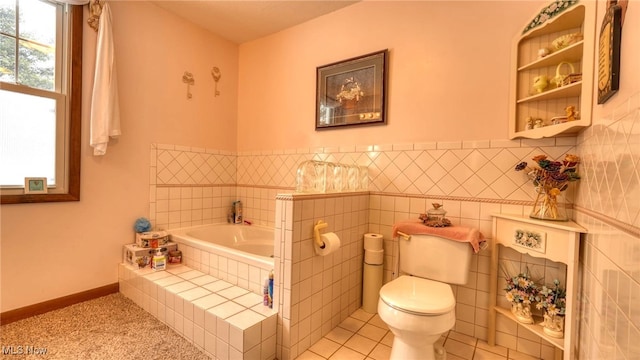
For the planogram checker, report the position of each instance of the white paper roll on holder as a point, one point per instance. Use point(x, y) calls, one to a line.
point(316, 233)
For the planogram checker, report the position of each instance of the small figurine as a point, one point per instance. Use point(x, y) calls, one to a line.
point(572, 114)
point(542, 52)
point(540, 83)
point(530, 122)
point(539, 123)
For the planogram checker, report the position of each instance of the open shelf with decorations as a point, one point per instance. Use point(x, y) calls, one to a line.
point(556, 49)
point(560, 243)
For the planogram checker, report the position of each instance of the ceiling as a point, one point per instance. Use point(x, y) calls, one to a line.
point(240, 21)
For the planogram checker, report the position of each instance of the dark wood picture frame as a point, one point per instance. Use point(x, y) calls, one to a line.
point(609, 52)
point(352, 92)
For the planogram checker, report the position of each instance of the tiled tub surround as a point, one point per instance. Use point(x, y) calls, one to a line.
point(190, 186)
point(316, 293)
point(222, 320)
point(246, 271)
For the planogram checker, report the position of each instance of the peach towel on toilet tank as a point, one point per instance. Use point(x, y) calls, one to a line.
point(456, 233)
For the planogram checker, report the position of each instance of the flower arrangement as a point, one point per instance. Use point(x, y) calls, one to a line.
point(550, 178)
point(552, 300)
point(521, 289)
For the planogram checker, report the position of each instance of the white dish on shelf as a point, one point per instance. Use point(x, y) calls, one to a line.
point(566, 40)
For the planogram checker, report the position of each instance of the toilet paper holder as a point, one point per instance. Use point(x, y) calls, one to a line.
point(316, 233)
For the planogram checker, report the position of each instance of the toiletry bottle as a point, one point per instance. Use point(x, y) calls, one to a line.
point(265, 293)
point(271, 289)
point(237, 207)
point(159, 261)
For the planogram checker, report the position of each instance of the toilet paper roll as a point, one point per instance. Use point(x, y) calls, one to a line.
point(331, 244)
point(373, 241)
point(374, 257)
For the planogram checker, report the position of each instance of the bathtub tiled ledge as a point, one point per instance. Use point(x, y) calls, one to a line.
point(223, 320)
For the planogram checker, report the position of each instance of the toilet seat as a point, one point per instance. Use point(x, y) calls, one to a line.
point(418, 296)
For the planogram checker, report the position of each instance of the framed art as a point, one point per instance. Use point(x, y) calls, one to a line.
point(609, 52)
point(352, 92)
point(35, 185)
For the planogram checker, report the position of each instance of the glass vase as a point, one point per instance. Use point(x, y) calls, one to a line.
point(553, 325)
point(522, 312)
point(549, 204)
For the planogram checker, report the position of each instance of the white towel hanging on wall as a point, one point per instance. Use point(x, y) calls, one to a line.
point(105, 108)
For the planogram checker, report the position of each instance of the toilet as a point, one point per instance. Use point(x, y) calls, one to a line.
point(419, 305)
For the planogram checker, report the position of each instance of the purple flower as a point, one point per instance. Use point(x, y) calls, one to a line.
point(559, 177)
point(521, 166)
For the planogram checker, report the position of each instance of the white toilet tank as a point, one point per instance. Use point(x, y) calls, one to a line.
point(435, 258)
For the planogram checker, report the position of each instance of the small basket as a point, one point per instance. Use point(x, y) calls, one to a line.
point(565, 79)
point(571, 78)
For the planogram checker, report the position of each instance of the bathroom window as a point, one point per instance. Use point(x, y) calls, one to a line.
point(40, 94)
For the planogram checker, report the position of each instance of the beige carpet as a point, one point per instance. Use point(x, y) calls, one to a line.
point(110, 327)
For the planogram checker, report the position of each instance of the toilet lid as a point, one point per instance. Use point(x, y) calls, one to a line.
point(417, 295)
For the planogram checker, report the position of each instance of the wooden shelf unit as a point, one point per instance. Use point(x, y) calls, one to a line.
point(525, 102)
point(561, 244)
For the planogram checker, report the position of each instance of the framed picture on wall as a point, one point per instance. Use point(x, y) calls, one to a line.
point(35, 185)
point(609, 52)
point(352, 92)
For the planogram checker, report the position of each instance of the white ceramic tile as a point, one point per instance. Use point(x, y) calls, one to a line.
point(203, 280)
point(188, 275)
point(157, 275)
point(222, 330)
point(188, 330)
point(217, 286)
point(193, 294)
point(352, 324)
point(226, 309)
point(360, 344)
point(180, 287)
point(209, 301)
point(372, 332)
point(232, 292)
point(176, 270)
point(449, 145)
point(252, 336)
point(169, 317)
point(264, 310)
point(167, 281)
point(249, 300)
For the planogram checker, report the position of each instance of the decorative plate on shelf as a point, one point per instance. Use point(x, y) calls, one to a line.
point(566, 40)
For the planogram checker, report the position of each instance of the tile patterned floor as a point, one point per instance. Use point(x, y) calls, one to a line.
point(364, 336)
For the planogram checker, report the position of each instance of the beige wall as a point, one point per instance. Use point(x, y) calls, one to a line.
point(449, 73)
point(53, 250)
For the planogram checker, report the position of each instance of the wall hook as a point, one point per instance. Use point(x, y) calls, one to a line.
point(215, 72)
point(188, 79)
